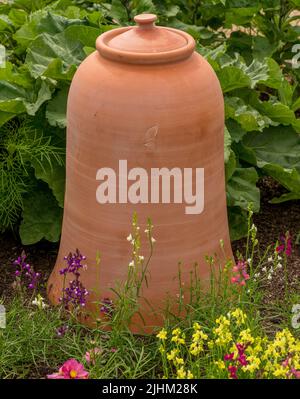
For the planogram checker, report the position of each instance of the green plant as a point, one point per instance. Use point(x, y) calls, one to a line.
point(249, 44)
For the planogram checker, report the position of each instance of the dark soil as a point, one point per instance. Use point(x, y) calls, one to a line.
point(272, 222)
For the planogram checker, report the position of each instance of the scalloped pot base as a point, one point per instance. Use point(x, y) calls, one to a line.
point(145, 135)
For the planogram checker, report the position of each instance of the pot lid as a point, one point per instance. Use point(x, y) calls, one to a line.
point(145, 43)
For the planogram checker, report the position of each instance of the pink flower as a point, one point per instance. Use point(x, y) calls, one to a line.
point(240, 273)
point(90, 356)
point(285, 245)
point(232, 371)
point(229, 356)
point(295, 373)
point(71, 369)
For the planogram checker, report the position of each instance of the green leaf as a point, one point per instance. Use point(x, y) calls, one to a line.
point(118, 12)
point(54, 175)
point(57, 108)
point(296, 104)
point(230, 165)
point(41, 217)
point(18, 17)
point(43, 22)
point(238, 226)
point(275, 76)
point(235, 130)
point(232, 78)
point(227, 144)
point(262, 47)
point(242, 190)
point(43, 94)
point(289, 178)
point(142, 6)
point(276, 145)
point(67, 47)
point(248, 117)
point(19, 94)
point(274, 109)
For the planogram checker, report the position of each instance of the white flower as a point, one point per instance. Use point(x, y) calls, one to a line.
point(131, 264)
point(269, 277)
point(249, 260)
point(39, 302)
point(153, 240)
point(129, 238)
point(141, 257)
point(146, 231)
point(253, 227)
point(279, 257)
point(256, 275)
point(264, 269)
point(279, 266)
point(270, 259)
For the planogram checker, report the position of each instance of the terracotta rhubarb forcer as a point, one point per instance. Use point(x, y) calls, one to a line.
point(145, 97)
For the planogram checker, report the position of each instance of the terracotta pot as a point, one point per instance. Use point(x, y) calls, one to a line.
point(145, 97)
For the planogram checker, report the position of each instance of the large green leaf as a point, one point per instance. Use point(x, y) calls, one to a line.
point(41, 217)
point(66, 47)
point(242, 190)
point(248, 117)
point(54, 175)
point(232, 78)
point(57, 108)
point(274, 109)
point(43, 22)
point(276, 145)
point(289, 178)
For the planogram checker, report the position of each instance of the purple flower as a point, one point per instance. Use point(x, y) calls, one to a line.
point(75, 294)
point(25, 272)
point(106, 306)
point(74, 263)
point(61, 331)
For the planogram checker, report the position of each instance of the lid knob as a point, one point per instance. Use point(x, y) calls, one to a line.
point(145, 21)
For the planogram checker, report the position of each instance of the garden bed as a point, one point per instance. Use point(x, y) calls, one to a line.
point(272, 221)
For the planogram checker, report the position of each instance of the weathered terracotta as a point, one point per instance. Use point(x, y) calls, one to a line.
point(147, 97)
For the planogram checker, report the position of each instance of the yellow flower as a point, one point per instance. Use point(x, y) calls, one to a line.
point(190, 375)
point(162, 335)
point(245, 337)
point(220, 364)
point(253, 364)
point(222, 332)
point(181, 373)
point(172, 354)
point(176, 331)
point(178, 337)
point(179, 360)
point(280, 371)
point(178, 340)
point(196, 326)
point(239, 316)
